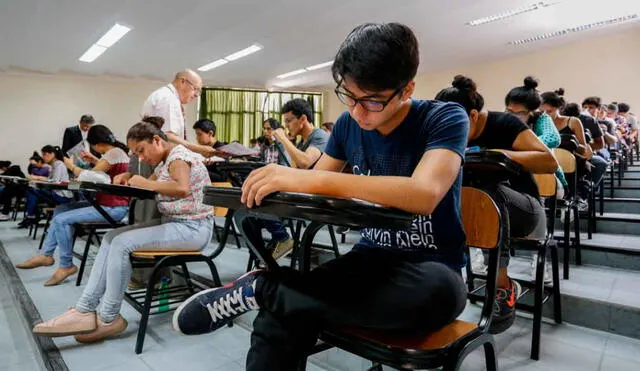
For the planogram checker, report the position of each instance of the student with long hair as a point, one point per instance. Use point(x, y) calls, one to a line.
point(54, 157)
point(179, 179)
point(114, 161)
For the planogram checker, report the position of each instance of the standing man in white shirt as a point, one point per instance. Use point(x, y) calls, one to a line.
point(167, 102)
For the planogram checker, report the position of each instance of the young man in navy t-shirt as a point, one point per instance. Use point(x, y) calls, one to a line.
point(406, 154)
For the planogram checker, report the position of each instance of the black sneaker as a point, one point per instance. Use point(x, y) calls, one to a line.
point(212, 309)
point(504, 311)
point(26, 223)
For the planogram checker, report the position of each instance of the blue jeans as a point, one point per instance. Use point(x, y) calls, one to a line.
point(112, 269)
point(277, 230)
point(599, 169)
point(60, 232)
point(33, 195)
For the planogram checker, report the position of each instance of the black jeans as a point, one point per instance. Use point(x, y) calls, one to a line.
point(522, 216)
point(10, 191)
point(367, 288)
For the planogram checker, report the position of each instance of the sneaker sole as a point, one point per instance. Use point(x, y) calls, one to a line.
point(176, 314)
point(63, 333)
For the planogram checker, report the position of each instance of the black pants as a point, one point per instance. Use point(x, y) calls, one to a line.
point(9, 192)
point(522, 216)
point(367, 287)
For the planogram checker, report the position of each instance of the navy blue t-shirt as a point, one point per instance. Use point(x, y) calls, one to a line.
point(428, 125)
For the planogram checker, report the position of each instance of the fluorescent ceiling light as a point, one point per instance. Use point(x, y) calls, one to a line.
point(113, 35)
point(107, 40)
point(306, 69)
point(213, 65)
point(292, 73)
point(319, 66)
point(231, 57)
point(94, 52)
point(511, 13)
point(244, 52)
point(584, 27)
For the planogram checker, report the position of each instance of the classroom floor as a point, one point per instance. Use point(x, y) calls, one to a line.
point(564, 347)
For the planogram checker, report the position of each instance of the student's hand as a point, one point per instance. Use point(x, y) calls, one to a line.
point(69, 163)
point(138, 181)
point(280, 135)
point(273, 178)
point(87, 156)
point(122, 179)
point(209, 151)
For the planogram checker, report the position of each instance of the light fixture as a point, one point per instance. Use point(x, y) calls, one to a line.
point(511, 13)
point(306, 69)
point(92, 53)
point(584, 27)
point(292, 73)
point(115, 33)
point(213, 65)
point(231, 57)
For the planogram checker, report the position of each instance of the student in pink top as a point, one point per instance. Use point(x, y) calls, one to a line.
point(187, 223)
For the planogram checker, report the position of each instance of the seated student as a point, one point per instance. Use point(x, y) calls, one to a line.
point(327, 127)
point(253, 144)
point(405, 281)
point(524, 101)
point(9, 190)
point(298, 117)
point(525, 213)
point(206, 134)
point(608, 127)
point(598, 163)
point(271, 151)
point(113, 161)
point(37, 166)
point(187, 223)
point(54, 157)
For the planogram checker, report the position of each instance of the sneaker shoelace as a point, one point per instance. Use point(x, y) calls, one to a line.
point(231, 304)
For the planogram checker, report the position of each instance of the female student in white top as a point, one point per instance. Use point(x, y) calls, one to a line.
point(179, 179)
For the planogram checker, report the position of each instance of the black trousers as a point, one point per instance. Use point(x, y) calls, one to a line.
point(10, 191)
point(367, 288)
point(522, 216)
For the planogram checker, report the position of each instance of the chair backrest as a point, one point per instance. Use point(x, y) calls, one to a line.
point(220, 211)
point(546, 184)
point(566, 160)
point(481, 219)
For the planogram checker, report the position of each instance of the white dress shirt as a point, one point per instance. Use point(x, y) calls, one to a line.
point(165, 103)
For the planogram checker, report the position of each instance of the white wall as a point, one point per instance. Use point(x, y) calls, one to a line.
point(35, 109)
point(582, 69)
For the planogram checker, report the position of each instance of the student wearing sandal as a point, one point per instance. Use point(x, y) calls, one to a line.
point(525, 212)
point(113, 161)
point(406, 154)
point(54, 157)
point(179, 179)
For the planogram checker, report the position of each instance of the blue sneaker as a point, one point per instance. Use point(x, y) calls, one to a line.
point(214, 308)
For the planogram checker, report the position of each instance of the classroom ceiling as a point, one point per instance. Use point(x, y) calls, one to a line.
point(43, 36)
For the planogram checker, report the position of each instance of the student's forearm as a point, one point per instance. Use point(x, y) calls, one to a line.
point(533, 161)
point(408, 194)
point(173, 138)
point(300, 158)
point(170, 188)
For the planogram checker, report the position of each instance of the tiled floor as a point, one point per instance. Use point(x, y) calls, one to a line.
point(564, 347)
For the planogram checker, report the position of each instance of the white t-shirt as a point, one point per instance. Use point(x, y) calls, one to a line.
point(165, 103)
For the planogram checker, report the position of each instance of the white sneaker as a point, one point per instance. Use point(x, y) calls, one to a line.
point(4, 217)
point(548, 275)
point(563, 215)
point(478, 265)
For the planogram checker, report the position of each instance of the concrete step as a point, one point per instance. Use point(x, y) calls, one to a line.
point(606, 250)
point(623, 191)
point(620, 205)
point(600, 298)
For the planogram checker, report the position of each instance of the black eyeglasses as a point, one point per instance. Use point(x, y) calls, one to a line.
point(367, 104)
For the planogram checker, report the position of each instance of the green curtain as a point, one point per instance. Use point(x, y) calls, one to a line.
point(239, 114)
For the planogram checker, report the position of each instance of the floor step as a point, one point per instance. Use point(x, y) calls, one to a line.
point(599, 298)
point(620, 205)
point(623, 192)
point(607, 250)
